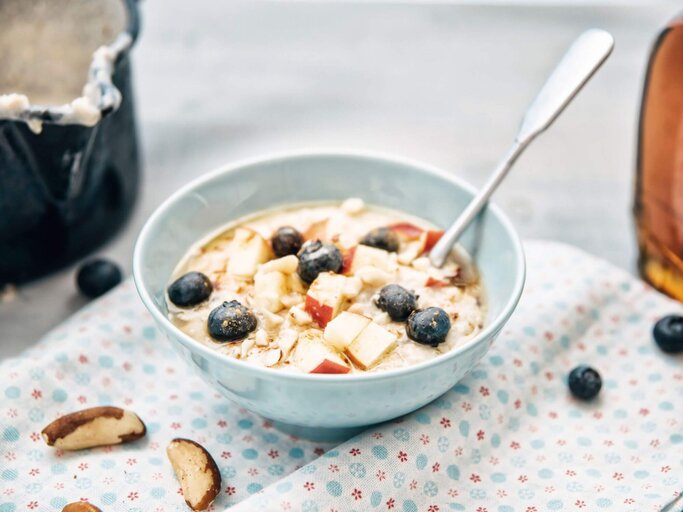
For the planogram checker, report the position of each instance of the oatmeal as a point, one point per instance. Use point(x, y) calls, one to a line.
point(333, 288)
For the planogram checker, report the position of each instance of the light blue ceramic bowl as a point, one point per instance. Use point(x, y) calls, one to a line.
point(327, 401)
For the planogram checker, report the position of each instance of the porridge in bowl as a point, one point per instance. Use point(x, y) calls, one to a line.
point(329, 288)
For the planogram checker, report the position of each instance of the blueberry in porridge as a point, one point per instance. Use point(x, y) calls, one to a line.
point(190, 289)
point(326, 288)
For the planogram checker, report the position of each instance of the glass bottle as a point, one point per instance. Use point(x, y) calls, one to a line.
point(658, 204)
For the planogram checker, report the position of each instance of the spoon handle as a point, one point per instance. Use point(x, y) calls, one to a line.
point(582, 60)
point(578, 65)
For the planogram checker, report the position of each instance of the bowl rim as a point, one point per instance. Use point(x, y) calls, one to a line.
point(193, 345)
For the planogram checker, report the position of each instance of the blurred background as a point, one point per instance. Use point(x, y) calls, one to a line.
point(441, 82)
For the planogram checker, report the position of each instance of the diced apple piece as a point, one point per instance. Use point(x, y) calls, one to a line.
point(269, 287)
point(320, 313)
point(247, 251)
point(373, 276)
point(345, 241)
point(366, 256)
point(348, 260)
point(324, 297)
point(314, 356)
point(411, 233)
point(341, 331)
point(432, 238)
point(422, 264)
point(286, 265)
point(435, 283)
point(317, 230)
point(407, 230)
point(292, 299)
point(328, 366)
point(381, 318)
point(357, 308)
point(412, 250)
point(373, 343)
point(352, 287)
point(295, 283)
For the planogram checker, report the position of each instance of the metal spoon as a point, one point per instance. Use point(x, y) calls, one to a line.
point(577, 66)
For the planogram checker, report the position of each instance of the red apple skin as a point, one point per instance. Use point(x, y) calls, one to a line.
point(320, 313)
point(432, 238)
point(328, 366)
point(410, 231)
point(348, 260)
point(435, 283)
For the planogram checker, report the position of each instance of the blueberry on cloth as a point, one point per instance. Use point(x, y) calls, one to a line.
point(96, 277)
point(428, 326)
point(231, 321)
point(668, 333)
point(584, 382)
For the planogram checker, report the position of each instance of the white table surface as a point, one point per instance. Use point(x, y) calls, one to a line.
point(218, 81)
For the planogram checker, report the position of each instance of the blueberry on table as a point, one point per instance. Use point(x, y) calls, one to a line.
point(428, 326)
point(584, 382)
point(231, 321)
point(97, 277)
point(316, 257)
point(285, 241)
point(381, 238)
point(668, 333)
point(190, 289)
point(396, 301)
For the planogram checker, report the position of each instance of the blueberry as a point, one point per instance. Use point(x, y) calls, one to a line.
point(428, 326)
point(396, 301)
point(316, 257)
point(584, 382)
point(381, 238)
point(285, 241)
point(97, 277)
point(190, 289)
point(231, 321)
point(668, 334)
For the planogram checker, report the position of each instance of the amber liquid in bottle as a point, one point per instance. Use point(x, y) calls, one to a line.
point(659, 187)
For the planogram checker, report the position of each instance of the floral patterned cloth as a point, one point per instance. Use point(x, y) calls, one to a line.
point(508, 438)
